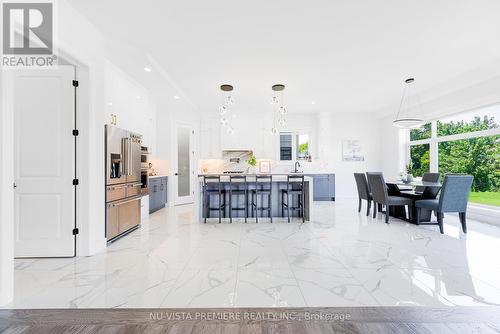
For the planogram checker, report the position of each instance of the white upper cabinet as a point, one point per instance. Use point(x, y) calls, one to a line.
point(131, 103)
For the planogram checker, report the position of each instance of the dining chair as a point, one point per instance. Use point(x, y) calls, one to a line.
point(381, 197)
point(453, 198)
point(363, 191)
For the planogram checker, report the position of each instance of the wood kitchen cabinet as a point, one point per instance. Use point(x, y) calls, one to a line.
point(157, 193)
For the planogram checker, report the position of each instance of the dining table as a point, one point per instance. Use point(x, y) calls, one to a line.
point(398, 187)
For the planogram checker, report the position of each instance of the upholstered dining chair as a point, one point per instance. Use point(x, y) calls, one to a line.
point(453, 198)
point(363, 191)
point(380, 196)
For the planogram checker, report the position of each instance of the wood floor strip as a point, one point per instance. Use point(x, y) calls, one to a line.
point(408, 320)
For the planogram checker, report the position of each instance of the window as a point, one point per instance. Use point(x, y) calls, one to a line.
point(423, 132)
point(419, 159)
point(478, 120)
point(294, 146)
point(286, 146)
point(466, 143)
point(302, 147)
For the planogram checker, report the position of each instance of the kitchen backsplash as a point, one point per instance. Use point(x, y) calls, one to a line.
point(220, 165)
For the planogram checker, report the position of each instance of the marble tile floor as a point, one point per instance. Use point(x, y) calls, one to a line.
point(342, 258)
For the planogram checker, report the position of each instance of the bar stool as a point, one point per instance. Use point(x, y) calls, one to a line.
point(212, 186)
point(295, 185)
point(263, 187)
point(235, 183)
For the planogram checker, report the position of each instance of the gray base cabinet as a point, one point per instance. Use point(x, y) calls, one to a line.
point(323, 187)
point(157, 193)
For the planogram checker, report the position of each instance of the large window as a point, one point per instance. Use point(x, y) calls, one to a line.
point(467, 143)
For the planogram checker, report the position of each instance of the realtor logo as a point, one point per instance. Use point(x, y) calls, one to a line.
point(28, 32)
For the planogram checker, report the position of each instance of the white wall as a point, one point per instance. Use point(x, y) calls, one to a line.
point(6, 198)
point(393, 150)
point(346, 126)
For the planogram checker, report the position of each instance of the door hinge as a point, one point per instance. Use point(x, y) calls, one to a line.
point(75, 182)
point(75, 132)
point(75, 83)
point(75, 231)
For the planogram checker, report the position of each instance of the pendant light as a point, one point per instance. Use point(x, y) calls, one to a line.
point(403, 120)
point(224, 109)
point(279, 108)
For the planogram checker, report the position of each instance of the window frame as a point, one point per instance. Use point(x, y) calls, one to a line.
point(294, 135)
point(434, 141)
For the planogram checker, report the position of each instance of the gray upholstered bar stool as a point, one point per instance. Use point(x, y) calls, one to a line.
point(212, 186)
point(238, 187)
point(263, 188)
point(294, 186)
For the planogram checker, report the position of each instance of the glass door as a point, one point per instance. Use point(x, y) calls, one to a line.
point(184, 169)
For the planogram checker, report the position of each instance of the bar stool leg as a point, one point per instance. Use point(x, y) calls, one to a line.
point(270, 207)
point(288, 205)
point(205, 209)
point(230, 205)
point(246, 205)
point(302, 206)
point(256, 207)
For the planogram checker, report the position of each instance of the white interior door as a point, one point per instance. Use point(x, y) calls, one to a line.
point(43, 102)
point(183, 164)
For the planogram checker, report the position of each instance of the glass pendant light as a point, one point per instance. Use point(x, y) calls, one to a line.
point(403, 120)
point(224, 110)
point(278, 112)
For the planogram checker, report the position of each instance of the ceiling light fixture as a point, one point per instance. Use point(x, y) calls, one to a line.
point(176, 97)
point(279, 108)
point(147, 69)
point(403, 120)
point(224, 110)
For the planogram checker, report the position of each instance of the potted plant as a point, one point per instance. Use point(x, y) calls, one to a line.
point(252, 162)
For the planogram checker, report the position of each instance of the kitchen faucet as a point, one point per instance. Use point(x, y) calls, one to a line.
point(296, 168)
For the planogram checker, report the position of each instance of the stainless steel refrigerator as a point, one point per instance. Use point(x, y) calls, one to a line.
point(123, 181)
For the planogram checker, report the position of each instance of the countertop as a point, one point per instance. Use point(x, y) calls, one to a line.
point(277, 177)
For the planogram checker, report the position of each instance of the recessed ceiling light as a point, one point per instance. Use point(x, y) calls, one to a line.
point(313, 102)
point(138, 97)
point(176, 97)
point(147, 69)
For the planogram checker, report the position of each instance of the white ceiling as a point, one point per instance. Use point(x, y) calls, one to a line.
point(346, 55)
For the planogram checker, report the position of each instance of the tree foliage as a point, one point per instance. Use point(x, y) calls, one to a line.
point(479, 157)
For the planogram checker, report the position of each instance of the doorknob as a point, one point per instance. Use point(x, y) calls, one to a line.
point(176, 174)
point(15, 185)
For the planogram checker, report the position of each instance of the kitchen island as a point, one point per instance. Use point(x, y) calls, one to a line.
point(279, 182)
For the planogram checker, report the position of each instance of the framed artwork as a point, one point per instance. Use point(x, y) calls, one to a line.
point(264, 167)
point(352, 150)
